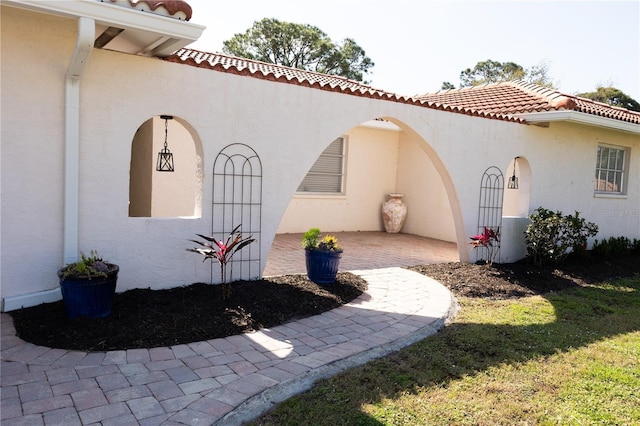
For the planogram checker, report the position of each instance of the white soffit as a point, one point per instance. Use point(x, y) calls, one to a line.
point(144, 33)
point(546, 117)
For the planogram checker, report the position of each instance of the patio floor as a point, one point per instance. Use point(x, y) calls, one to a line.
point(363, 250)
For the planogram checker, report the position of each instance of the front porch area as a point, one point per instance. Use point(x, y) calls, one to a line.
point(363, 250)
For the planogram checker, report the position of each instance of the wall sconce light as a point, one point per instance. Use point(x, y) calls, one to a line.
point(513, 180)
point(165, 157)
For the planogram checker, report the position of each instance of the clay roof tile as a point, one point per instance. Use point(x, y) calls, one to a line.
point(175, 8)
point(498, 101)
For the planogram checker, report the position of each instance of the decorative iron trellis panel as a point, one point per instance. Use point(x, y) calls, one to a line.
point(490, 207)
point(237, 199)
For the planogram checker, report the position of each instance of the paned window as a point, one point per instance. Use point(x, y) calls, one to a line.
point(327, 174)
point(611, 164)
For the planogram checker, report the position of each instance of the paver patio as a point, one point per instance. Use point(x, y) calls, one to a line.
point(231, 380)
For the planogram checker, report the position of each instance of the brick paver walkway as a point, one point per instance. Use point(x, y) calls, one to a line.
point(220, 381)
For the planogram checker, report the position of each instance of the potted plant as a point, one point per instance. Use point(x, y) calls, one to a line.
point(88, 286)
point(322, 256)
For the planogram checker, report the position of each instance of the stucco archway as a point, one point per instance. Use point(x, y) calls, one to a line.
point(165, 194)
point(383, 156)
point(446, 221)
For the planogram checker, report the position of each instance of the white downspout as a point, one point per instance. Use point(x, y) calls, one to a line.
point(84, 45)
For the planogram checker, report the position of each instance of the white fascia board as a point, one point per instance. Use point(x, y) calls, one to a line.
point(115, 16)
point(581, 118)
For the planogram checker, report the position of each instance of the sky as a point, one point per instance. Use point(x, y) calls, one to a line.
point(418, 44)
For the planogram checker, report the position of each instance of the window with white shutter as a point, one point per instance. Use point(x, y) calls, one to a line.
point(327, 174)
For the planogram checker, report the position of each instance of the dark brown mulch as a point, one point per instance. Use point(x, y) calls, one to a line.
point(523, 279)
point(146, 318)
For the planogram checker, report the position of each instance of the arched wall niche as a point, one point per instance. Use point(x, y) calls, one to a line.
point(516, 201)
point(515, 211)
point(166, 194)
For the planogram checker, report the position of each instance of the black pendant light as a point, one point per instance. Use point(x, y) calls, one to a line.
point(165, 157)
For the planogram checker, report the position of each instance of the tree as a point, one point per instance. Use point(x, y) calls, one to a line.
point(491, 71)
point(612, 96)
point(447, 86)
point(300, 46)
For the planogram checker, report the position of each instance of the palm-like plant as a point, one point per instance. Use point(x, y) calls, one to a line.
point(222, 252)
point(489, 239)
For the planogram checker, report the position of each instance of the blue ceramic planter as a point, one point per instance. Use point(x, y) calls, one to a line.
point(322, 265)
point(89, 298)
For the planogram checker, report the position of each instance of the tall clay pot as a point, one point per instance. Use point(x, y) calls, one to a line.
point(394, 213)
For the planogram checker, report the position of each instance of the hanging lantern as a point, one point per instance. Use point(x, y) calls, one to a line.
point(513, 180)
point(165, 157)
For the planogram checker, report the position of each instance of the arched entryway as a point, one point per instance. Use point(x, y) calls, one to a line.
point(380, 157)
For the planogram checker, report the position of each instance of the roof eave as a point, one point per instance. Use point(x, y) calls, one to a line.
point(580, 118)
point(161, 34)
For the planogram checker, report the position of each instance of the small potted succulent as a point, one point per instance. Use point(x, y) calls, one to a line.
point(322, 256)
point(88, 286)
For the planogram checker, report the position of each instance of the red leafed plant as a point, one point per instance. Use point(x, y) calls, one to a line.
point(222, 252)
point(489, 239)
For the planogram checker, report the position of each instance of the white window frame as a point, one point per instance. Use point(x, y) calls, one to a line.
point(320, 179)
point(608, 173)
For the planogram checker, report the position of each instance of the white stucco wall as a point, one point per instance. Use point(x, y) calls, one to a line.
point(287, 125)
point(31, 134)
point(562, 159)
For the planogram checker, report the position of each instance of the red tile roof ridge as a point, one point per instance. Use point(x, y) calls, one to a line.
point(274, 72)
point(555, 99)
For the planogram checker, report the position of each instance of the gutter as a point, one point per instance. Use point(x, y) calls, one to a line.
point(159, 35)
point(84, 46)
point(545, 117)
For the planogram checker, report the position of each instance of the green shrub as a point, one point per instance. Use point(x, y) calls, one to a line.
point(616, 246)
point(552, 236)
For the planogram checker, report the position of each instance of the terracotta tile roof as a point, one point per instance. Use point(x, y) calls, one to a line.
point(175, 8)
point(499, 101)
point(517, 97)
point(268, 71)
point(273, 72)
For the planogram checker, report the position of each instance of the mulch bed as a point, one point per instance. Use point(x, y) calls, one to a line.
point(513, 280)
point(145, 318)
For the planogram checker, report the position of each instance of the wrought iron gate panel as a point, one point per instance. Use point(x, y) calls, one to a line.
point(490, 206)
point(237, 199)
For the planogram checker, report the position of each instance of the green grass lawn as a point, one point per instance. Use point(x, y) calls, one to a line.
point(565, 358)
